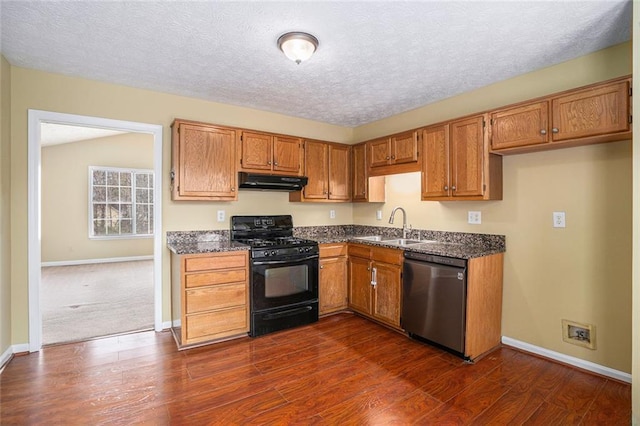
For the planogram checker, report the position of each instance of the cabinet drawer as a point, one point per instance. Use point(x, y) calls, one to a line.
point(216, 277)
point(216, 297)
point(221, 261)
point(217, 324)
point(387, 255)
point(360, 250)
point(333, 250)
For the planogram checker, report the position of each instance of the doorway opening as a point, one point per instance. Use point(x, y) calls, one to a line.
point(35, 204)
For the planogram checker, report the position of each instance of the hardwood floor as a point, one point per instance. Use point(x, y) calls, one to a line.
point(341, 370)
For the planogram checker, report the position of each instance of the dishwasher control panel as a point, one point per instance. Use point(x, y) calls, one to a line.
point(432, 258)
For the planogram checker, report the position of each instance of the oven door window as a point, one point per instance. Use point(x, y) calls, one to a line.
point(279, 282)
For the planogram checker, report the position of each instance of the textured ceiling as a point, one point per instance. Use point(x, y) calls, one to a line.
point(375, 59)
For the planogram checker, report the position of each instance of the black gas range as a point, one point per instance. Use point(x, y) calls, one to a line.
point(284, 273)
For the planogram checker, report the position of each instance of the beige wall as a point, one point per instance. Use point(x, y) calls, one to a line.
point(636, 222)
point(65, 193)
point(51, 92)
point(535, 185)
point(5, 192)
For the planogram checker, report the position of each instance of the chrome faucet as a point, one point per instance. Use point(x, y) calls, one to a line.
point(405, 229)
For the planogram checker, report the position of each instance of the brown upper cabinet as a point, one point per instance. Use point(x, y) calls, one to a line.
point(328, 167)
point(266, 153)
point(365, 188)
point(394, 154)
point(457, 164)
point(592, 114)
point(203, 162)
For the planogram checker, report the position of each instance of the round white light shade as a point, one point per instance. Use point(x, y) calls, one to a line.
point(298, 46)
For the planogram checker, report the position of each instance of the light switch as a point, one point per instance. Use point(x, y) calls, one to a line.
point(332, 214)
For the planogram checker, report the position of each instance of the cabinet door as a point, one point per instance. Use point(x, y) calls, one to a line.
point(379, 152)
point(386, 294)
point(256, 151)
point(404, 148)
point(206, 166)
point(315, 168)
point(359, 167)
point(520, 126)
point(333, 284)
point(435, 162)
point(286, 154)
point(467, 157)
point(360, 285)
point(339, 173)
point(595, 111)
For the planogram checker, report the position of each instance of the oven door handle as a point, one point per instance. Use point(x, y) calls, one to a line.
point(280, 262)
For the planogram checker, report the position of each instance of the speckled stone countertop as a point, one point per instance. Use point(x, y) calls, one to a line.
point(194, 242)
point(460, 245)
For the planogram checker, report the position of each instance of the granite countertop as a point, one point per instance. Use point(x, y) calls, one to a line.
point(195, 242)
point(440, 248)
point(451, 244)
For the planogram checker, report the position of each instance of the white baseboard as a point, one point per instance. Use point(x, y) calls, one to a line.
point(166, 325)
point(8, 354)
point(177, 323)
point(566, 359)
point(90, 261)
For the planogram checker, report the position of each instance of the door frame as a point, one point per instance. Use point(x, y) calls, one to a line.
point(35, 118)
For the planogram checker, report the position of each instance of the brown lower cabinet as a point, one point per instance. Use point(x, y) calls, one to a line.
point(375, 280)
point(332, 293)
point(210, 296)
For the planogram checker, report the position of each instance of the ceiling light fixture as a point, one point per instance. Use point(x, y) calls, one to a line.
point(297, 46)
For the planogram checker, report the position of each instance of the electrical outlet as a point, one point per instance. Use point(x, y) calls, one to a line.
point(559, 220)
point(475, 218)
point(378, 214)
point(332, 214)
point(221, 215)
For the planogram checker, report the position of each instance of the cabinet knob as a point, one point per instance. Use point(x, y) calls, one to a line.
point(555, 130)
point(321, 266)
point(269, 162)
point(446, 188)
point(543, 132)
point(233, 189)
point(275, 163)
point(453, 188)
point(393, 157)
point(387, 157)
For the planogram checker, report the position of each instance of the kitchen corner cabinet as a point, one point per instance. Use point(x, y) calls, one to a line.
point(365, 188)
point(591, 114)
point(328, 167)
point(210, 296)
point(203, 162)
point(333, 284)
point(273, 154)
point(375, 282)
point(456, 163)
point(394, 154)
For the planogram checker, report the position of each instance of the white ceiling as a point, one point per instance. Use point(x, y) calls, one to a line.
point(375, 59)
point(55, 134)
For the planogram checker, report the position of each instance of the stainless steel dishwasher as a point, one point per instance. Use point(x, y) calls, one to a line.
point(434, 299)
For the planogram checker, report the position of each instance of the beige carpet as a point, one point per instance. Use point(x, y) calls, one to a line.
point(86, 301)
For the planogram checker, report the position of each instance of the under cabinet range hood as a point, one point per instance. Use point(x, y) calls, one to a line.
point(262, 182)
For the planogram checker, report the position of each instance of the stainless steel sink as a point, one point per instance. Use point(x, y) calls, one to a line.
point(402, 241)
point(370, 238)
